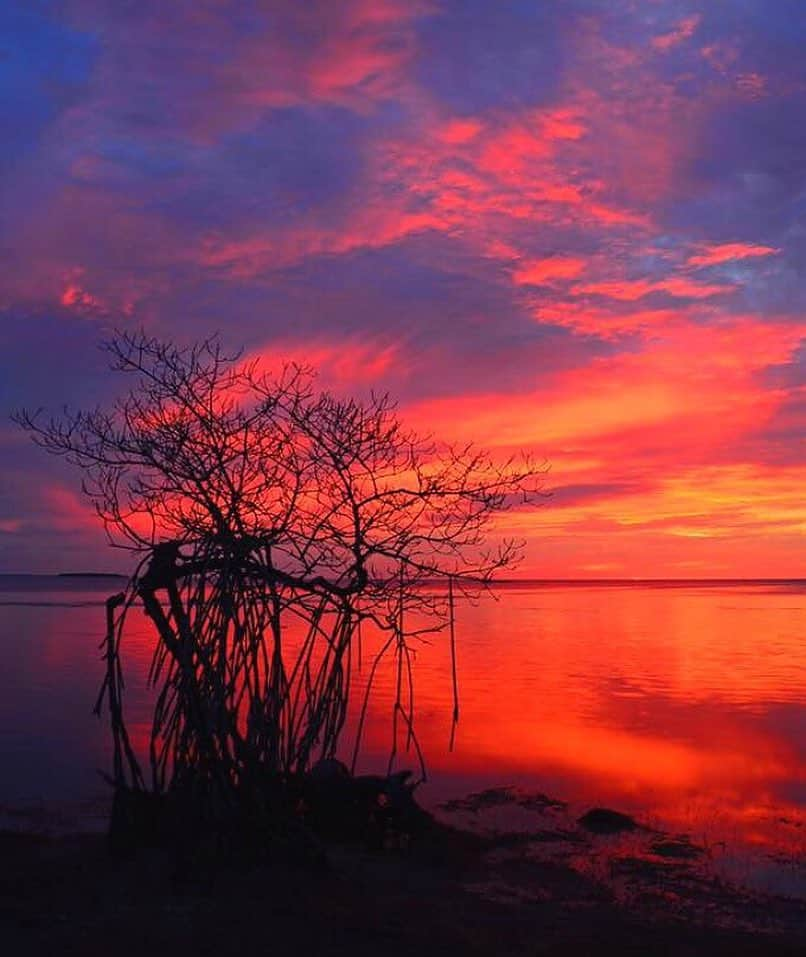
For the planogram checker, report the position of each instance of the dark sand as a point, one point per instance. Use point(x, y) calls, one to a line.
point(452, 893)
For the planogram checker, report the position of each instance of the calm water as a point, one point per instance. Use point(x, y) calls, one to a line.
point(683, 703)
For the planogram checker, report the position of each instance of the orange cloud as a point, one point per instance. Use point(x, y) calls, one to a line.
point(687, 374)
point(646, 428)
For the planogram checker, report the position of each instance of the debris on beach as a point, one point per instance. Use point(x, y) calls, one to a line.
point(501, 796)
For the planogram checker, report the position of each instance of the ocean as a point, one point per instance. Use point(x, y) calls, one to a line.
point(682, 703)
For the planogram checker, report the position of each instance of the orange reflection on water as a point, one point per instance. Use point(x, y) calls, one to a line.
point(681, 703)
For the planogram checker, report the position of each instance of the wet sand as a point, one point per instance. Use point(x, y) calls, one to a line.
point(450, 892)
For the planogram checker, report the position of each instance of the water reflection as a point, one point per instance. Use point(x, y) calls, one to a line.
point(684, 705)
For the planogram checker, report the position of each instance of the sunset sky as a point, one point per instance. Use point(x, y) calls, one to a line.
point(576, 228)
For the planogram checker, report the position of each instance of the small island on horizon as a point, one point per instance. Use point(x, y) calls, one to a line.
point(90, 575)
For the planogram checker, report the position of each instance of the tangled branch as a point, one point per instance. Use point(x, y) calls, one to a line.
point(271, 521)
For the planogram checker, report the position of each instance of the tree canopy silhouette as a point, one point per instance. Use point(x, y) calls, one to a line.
point(270, 522)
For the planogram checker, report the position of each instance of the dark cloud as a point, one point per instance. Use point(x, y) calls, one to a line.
point(475, 56)
point(569, 495)
point(49, 359)
point(44, 68)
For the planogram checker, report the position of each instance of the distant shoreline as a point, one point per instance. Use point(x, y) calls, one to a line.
point(90, 575)
point(534, 582)
point(102, 575)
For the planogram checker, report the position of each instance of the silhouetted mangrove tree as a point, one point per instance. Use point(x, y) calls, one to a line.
point(270, 522)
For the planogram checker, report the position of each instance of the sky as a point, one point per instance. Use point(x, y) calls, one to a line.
point(576, 228)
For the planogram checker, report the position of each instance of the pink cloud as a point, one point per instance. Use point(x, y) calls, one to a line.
point(682, 31)
point(606, 323)
point(542, 270)
point(752, 86)
point(454, 176)
point(726, 252)
point(372, 227)
point(629, 290)
point(64, 510)
point(460, 131)
point(352, 54)
point(721, 55)
point(75, 296)
point(341, 364)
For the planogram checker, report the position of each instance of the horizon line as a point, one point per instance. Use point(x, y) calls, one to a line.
point(528, 579)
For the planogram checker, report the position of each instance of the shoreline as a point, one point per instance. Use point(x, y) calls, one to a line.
point(68, 893)
point(775, 866)
point(560, 887)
